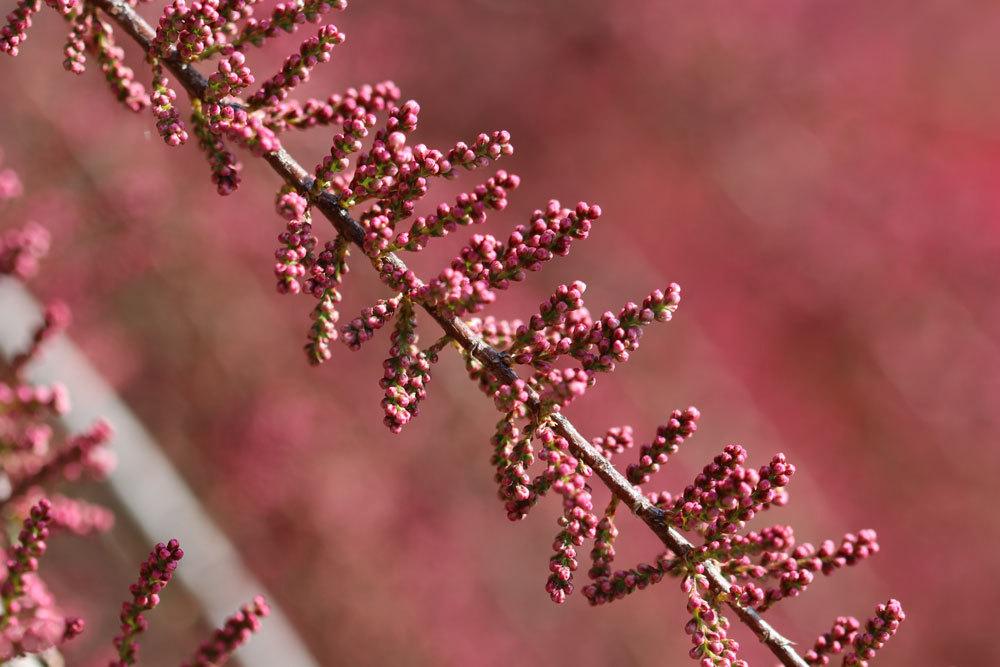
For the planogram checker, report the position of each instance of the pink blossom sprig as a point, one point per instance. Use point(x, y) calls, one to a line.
point(245, 128)
point(770, 544)
point(230, 77)
point(15, 31)
point(345, 143)
point(469, 209)
point(168, 29)
point(407, 371)
point(204, 29)
point(612, 338)
point(120, 78)
point(362, 328)
point(378, 231)
point(796, 570)
point(877, 631)
point(335, 110)
point(379, 170)
point(238, 630)
point(294, 256)
point(603, 553)
point(487, 147)
point(669, 437)
point(286, 17)
point(296, 67)
point(33, 438)
point(154, 573)
point(567, 476)
point(725, 495)
point(223, 164)
point(513, 456)
point(539, 342)
point(55, 319)
point(561, 386)
point(38, 625)
point(22, 559)
point(21, 249)
point(609, 586)
point(615, 441)
point(75, 48)
point(195, 30)
point(485, 264)
point(841, 636)
point(495, 332)
point(168, 120)
point(324, 282)
point(708, 628)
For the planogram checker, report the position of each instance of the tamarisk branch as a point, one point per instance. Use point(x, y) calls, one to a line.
point(720, 501)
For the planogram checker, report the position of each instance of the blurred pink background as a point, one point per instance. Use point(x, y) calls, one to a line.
point(820, 177)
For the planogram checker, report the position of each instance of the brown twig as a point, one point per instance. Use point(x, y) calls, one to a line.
point(495, 361)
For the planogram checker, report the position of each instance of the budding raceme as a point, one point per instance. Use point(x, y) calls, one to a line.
point(223, 164)
point(407, 371)
point(154, 574)
point(237, 630)
point(294, 256)
point(324, 283)
point(110, 58)
point(708, 628)
point(337, 109)
point(22, 559)
point(296, 68)
point(373, 318)
point(15, 30)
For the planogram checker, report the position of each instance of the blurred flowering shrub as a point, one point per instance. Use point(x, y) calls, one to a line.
point(367, 192)
point(34, 459)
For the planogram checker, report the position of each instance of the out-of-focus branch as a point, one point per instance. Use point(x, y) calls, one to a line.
point(494, 360)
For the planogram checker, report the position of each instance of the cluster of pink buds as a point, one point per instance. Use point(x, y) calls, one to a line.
point(707, 628)
point(860, 644)
point(326, 275)
point(337, 109)
point(567, 476)
point(90, 34)
point(726, 495)
point(155, 573)
point(363, 327)
point(30, 622)
point(313, 51)
point(669, 437)
point(407, 371)
point(469, 209)
point(15, 31)
point(236, 631)
point(295, 255)
point(23, 558)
